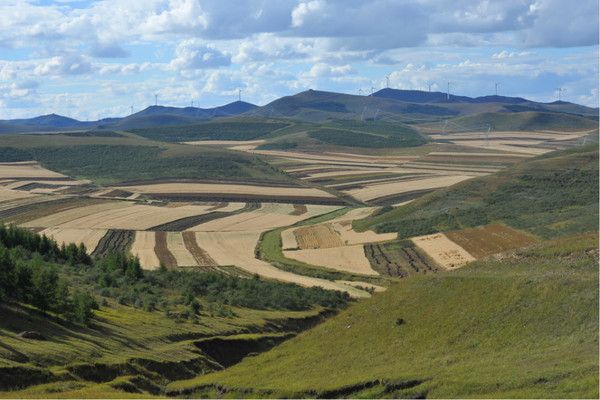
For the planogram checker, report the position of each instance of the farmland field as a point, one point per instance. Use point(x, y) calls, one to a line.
point(489, 239)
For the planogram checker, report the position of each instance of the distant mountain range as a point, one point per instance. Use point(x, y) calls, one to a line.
point(314, 106)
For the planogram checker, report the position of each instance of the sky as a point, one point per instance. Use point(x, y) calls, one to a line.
point(96, 59)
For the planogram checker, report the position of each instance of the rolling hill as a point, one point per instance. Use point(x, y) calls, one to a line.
point(525, 321)
point(549, 196)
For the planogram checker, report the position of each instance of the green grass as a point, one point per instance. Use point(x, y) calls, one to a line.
point(114, 163)
point(214, 130)
point(548, 196)
point(525, 326)
point(525, 121)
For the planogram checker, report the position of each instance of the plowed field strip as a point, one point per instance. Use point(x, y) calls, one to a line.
point(162, 251)
point(201, 256)
point(398, 260)
point(186, 222)
point(30, 212)
point(114, 241)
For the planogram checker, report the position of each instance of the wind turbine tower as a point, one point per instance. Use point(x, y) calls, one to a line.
point(429, 86)
point(372, 90)
point(156, 99)
point(496, 84)
point(131, 108)
point(360, 92)
point(387, 81)
point(448, 91)
point(560, 92)
point(239, 94)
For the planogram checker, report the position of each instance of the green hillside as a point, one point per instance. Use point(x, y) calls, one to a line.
point(114, 159)
point(523, 121)
point(523, 326)
point(551, 195)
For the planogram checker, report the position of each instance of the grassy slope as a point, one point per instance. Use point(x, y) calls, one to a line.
point(118, 337)
point(548, 196)
point(129, 158)
point(525, 121)
point(525, 326)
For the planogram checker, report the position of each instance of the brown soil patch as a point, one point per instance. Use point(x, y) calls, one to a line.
point(201, 256)
point(490, 239)
point(162, 251)
point(317, 237)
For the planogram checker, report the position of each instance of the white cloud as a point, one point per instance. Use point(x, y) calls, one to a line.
point(192, 54)
point(64, 65)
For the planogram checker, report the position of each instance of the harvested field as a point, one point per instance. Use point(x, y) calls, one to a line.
point(317, 237)
point(489, 239)
point(225, 143)
point(200, 255)
point(115, 240)
point(288, 239)
point(185, 223)
point(89, 237)
point(116, 193)
point(177, 247)
point(349, 236)
point(443, 251)
point(398, 259)
point(380, 190)
point(237, 248)
point(514, 146)
point(346, 258)
point(269, 216)
point(127, 215)
point(42, 206)
point(26, 169)
point(216, 190)
point(71, 214)
point(299, 209)
point(161, 249)
point(9, 194)
point(143, 248)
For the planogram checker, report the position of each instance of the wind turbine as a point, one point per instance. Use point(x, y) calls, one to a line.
point(156, 99)
point(372, 90)
point(239, 94)
point(496, 84)
point(387, 81)
point(360, 92)
point(448, 91)
point(560, 92)
point(429, 84)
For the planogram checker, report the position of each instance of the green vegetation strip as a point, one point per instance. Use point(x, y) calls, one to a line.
point(526, 324)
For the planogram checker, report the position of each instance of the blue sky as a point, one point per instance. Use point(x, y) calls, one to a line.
point(94, 59)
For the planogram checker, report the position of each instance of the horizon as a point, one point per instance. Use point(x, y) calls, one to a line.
point(84, 60)
point(262, 105)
